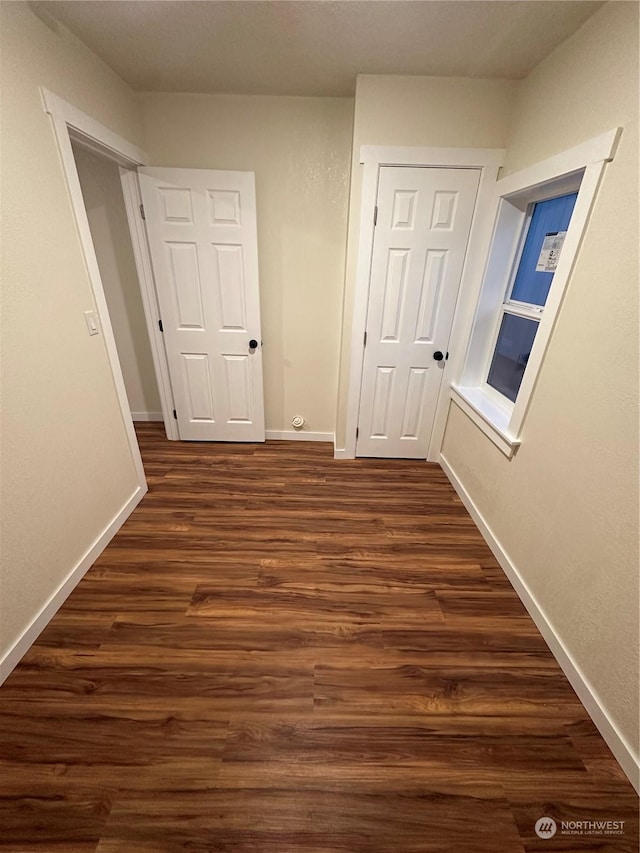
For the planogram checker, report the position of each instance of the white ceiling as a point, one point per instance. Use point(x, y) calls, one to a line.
point(314, 47)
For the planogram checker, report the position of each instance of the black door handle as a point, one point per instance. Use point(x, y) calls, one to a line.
point(438, 356)
point(253, 343)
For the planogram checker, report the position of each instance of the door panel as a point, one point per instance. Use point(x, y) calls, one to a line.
point(184, 279)
point(393, 296)
point(423, 223)
point(198, 381)
point(381, 402)
point(431, 286)
point(231, 286)
point(203, 241)
point(413, 404)
point(238, 376)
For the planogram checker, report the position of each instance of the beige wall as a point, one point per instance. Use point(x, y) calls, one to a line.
point(415, 111)
point(102, 193)
point(66, 465)
point(566, 507)
point(299, 149)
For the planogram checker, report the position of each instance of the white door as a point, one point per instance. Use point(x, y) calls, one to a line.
point(422, 229)
point(204, 251)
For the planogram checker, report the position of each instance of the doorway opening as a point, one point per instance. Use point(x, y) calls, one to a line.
point(422, 224)
point(69, 123)
point(197, 271)
point(372, 392)
point(104, 205)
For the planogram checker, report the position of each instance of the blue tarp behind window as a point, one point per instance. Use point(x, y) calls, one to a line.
point(548, 217)
point(513, 349)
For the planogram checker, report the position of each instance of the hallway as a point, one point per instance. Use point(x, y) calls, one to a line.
point(279, 652)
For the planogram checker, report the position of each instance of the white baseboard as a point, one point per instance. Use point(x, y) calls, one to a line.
point(341, 453)
point(12, 657)
point(146, 416)
point(298, 435)
point(595, 708)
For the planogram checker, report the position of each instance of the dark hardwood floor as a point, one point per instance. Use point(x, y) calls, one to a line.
point(282, 653)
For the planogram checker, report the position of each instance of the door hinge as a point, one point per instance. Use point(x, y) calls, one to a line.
point(175, 414)
point(375, 215)
point(142, 211)
point(364, 343)
point(160, 326)
point(357, 432)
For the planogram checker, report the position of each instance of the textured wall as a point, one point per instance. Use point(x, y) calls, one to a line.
point(66, 464)
point(299, 149)
point(566, 507)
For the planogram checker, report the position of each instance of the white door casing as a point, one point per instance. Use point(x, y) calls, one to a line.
point(203, 242)
point(424, 217)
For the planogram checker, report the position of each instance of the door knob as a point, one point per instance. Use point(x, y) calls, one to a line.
point(438, 356)
point(253, 343)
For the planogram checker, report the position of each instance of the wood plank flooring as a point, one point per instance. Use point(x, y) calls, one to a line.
point(280, 653)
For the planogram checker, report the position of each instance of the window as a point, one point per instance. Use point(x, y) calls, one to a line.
point(510, 357)
point(523, 308)
point(541, 215)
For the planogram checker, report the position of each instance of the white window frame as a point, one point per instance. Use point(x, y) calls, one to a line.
point(578, 168)
point(515, 307)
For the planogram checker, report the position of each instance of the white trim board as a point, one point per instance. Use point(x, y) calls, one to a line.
point(396, 155)
point(13, 656)
point(297, 435)
point(68, 122)
point(64, 118)
point(595, 150)
point(142, 258)
point(488, 417)
point(488, 160)
point(147, 416)
point(100, 137)
point(616, 741)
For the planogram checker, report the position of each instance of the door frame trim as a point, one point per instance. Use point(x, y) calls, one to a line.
point(144, 268)
point(372, 158)
point(68, 122)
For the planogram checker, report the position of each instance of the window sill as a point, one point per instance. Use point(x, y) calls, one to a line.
point(488, 416)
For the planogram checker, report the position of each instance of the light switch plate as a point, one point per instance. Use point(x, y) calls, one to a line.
point(91, 320)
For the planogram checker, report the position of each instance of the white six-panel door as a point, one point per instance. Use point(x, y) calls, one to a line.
point(203, 244)
point(422, 229)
